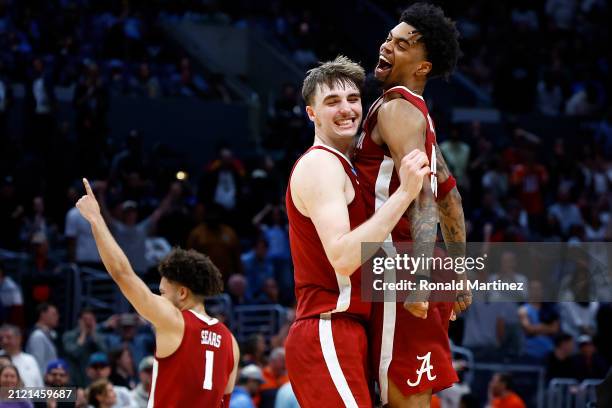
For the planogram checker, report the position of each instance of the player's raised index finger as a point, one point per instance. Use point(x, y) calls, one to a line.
point(88, 187)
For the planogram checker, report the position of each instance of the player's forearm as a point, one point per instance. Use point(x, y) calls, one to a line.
point(113, 257)
point(423, 214)
point(452, 223)
point(375, 230)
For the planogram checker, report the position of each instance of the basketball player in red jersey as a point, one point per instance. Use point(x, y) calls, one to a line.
point(196, 356)
point(410, 346)
point(326, 349)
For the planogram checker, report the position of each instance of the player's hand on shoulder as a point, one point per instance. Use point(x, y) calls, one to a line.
point(418, 309)
point(414, 167)
point(88, 205)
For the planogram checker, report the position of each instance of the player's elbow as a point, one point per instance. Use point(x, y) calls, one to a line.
point(342, 265)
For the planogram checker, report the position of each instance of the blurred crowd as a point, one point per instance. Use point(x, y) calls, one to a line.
point(519, 184)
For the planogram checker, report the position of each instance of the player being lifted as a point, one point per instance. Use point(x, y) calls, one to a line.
point(196, 356)
point(410, 346)
point(326, 348)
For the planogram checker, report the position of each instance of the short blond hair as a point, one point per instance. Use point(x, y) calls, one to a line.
point(339, 72)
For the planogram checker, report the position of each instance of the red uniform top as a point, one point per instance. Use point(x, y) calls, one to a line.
point(376, 168)
point(318, 288)
point(196, 374)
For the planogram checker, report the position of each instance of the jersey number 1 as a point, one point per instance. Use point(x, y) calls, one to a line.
point(208, 369)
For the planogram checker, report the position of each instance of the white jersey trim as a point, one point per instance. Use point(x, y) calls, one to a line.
point(206, 319)
point(153, 384)
point(344, 156)
point(405, 89)
point(333, 365)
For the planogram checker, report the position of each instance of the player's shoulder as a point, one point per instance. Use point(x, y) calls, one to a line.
point(401, 109)
point(317, 163)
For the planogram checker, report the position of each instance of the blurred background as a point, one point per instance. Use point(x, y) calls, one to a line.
point(187, 116)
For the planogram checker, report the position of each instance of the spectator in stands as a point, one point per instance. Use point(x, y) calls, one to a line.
point(276, 232)
point(274, 375)
point(98, 368)
point(122, 368)
point(41, 343)
point(584, 102)
point(285, 397)
point(11, 299)
point(218, 241)
point(566, 212)
point(508, 274)
point(578, 318)
point(188, 83)
point(237, 289)
point(222, 181)
point(42, 104)
point(501, 393)
point(253, 350)
point(140, 394)
point(5, 360)
point(130, 331)
point(35, 233)
point(10, 340)
point(131, 232)
point(246, 393)
point(549, 95)
point(145, 84)
point(101, 394)
point(269, 293)
point(559, 363)
point(81, 244)
point(56, 375)
point(457, 155)
point(540, 322)
point(81, 342)
point(491, 329)
point(588, 363)
point(9, 378)
point(258, 267)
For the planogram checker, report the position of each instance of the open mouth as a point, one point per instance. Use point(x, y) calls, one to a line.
point(383, 65)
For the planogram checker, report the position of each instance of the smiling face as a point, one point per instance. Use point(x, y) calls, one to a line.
point(336, 111)
point(402, 57)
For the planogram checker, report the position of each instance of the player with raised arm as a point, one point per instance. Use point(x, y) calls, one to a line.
point(410, 346)
point(327, 348)
point(196, 356)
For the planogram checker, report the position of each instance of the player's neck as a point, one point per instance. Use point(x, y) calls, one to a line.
point(343, 146)
point(196, 306)
point(418, 87)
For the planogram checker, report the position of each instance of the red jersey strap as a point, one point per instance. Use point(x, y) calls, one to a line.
point(445, 187)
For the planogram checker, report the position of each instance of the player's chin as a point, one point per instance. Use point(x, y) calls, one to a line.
point(382, 74)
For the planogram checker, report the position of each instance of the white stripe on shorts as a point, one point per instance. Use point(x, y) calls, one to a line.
point(331, 361)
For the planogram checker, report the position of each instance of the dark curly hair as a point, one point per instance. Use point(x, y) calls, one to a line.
point(193, 270)
point(438, 34)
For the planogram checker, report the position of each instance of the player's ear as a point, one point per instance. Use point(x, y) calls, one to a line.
point(424, 68)
point(311, 113)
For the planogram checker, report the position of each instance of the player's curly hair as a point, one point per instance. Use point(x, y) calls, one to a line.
point(193, 270)
point(438, 34)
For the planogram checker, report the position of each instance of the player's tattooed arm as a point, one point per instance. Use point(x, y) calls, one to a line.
point(402, 127)
point(452, 224)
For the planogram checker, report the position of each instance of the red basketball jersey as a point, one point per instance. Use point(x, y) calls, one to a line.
point(318, 288)
point(196, 374)
point(375, 165)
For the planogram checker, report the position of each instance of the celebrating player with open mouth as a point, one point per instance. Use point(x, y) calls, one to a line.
point(327, 345)
point(410, 346)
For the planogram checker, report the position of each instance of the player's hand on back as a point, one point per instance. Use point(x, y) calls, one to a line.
point(88, 205)
point(414, 167)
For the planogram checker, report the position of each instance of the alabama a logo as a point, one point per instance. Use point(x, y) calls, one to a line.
point(426, 367)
